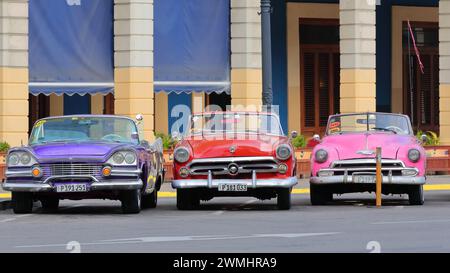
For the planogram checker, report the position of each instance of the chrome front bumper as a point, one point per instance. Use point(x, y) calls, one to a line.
point(253, 183)
point(393, 180)
point(26, 186)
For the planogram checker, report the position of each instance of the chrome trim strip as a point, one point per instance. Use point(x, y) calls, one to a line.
point(366, 161)
point(394, 180)
point(55, 177)
point(44, 187)
point(257, 183)
point(368, 169)
point(231, 159)
point(24, 173)
point(115, 172)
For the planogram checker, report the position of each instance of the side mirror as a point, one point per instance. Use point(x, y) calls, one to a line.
point(294, 134)
point(424, 137)
point(145, 144)
point(316, 137)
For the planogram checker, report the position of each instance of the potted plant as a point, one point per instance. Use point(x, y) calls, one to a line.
point(438, 159)
point(168, 144)
point(4, 147)
point(303, 155)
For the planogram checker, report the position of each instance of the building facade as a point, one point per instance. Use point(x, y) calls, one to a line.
point(148, 56)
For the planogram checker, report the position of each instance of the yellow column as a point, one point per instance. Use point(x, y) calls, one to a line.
point(161, 112)
point(246, 72)
point(14, 72)
point(246, 89)
point(133, 59)
point(133, 95)
point(358, 49)
point(14, 105)
point(444, 65)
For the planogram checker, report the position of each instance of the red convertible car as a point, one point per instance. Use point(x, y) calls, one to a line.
point(234, 154)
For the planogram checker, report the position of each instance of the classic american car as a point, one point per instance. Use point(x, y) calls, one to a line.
point(345, 159)
point(234, 154)
point(84, 157)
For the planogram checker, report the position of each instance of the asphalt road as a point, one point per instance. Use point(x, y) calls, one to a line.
point(350, 224)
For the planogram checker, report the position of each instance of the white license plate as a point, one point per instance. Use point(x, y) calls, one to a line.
point(73, 187)
point(364, 179)
point(232, 187)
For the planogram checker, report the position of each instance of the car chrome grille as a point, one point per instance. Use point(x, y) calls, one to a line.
point(388, 166)
point(61, 169)
point(219, 166)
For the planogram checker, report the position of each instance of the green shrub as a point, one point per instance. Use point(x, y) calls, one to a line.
point(432, 137)
point(167, 140)
point(4, 147)
point(299, 142)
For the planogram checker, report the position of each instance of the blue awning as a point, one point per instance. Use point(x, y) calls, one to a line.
point(71, 48)
point(192, 46)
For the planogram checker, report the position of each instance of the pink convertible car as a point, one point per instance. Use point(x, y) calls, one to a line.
point(344, 161)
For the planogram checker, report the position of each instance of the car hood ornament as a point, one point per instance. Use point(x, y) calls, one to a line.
point(366, 152)
point(232, 149)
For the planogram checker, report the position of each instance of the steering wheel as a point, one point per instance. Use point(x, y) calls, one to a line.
point(396, 129)
point(112, 137)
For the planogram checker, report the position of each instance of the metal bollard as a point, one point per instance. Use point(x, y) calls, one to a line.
point(379, 177)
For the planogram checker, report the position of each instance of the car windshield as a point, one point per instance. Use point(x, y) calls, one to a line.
point(224, 123)
point(394, 124)
point(84, 129)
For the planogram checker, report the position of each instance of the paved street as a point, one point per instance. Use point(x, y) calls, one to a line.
point(351, 224)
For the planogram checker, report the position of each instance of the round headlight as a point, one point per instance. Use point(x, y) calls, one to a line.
point(25, 158)
point(321, 156)
point(13, 160)
point(414, 155)
point(283, 152)
point(181, 155)
point(130, 158)
point(118, 158)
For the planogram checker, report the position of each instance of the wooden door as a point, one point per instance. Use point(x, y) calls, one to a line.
point(320, 79)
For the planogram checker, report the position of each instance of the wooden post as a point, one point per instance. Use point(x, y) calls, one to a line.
point(379, 179)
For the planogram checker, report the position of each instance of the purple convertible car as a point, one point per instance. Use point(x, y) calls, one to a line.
point(83, 157)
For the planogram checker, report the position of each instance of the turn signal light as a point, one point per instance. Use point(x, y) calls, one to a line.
point(36, 172)
point(106, 171)
point(184, 172)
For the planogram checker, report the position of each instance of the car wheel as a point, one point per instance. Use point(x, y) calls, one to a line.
point(319, 195)
point(187, 199)
point(416, 196)
point(149, 201)
point(131, 201)
point(50, 203)
point(22, 202)
point(284, 199)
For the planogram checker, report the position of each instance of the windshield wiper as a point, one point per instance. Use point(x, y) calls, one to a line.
point(384, 129)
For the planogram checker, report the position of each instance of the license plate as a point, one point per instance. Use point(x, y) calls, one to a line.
point(364, 178)
point(232, 187)
point(72, 187)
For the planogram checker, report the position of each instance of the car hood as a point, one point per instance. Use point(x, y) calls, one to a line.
point(352, 146)
point(75, 150)
point(244, 145)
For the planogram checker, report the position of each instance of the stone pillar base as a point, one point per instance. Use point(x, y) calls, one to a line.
point(14, 105)
point(134, 95)
point(358, 90)
point(444, 114)
point(246, 89)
